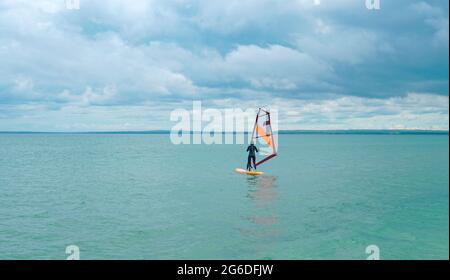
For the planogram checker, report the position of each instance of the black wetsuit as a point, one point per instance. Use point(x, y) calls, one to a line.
point(252, 150)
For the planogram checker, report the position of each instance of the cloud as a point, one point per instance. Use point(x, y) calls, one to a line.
point(111, 55)
point(413, 111)
point(275, 68)
point(341, 44)
point(440, 38)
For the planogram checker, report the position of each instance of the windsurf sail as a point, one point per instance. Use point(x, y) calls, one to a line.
point(263, 137)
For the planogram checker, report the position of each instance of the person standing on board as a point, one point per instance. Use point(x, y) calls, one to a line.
point(252, 150)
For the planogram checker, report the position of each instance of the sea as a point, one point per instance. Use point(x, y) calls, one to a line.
point(139, 196)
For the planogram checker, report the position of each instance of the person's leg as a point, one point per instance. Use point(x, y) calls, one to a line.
point(249, 163)
point(254, 162)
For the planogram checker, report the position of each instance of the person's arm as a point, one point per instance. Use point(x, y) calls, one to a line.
point(248, 148)
point(256, 149)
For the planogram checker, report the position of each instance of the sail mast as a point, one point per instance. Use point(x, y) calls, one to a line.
point(264, 131)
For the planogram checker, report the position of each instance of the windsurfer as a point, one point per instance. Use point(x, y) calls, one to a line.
point(252, 150)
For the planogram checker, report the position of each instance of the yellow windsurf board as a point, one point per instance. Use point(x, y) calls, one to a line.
point(244, 171)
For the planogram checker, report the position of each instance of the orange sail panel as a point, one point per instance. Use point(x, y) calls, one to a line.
point(262, 133)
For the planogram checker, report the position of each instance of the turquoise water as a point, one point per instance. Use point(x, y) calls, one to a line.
point(140, 197)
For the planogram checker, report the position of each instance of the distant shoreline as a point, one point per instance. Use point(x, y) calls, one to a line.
point(333, 132)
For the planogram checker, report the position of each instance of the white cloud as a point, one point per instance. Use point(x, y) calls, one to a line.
point(441, 35)
point(23, 84)
point(413, 111)
point(424, 8)
point(275, 67)
point(435, 18)
point(342, 44)
point(111, 57)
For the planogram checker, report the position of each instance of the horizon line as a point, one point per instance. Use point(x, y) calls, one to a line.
point(282, 131)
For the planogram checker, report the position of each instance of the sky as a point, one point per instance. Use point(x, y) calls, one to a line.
point(126, 65)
